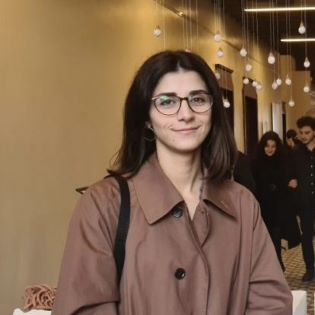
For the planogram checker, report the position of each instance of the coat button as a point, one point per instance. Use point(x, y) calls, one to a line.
point(180, 273)
point(177, 213)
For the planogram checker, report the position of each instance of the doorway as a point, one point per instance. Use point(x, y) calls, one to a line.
point(250, 125)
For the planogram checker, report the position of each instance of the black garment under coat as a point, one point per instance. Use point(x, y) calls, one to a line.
point(275, 197)
point(304, 172)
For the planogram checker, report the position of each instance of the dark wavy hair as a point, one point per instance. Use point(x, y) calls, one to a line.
point(306, 121)
point(269, 135)
point(218, 149)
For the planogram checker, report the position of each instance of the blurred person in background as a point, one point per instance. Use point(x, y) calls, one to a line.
point(272, 190)
point(304, 183)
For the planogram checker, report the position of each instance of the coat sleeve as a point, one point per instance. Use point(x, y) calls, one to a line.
point(88, 281)
point(268, 292)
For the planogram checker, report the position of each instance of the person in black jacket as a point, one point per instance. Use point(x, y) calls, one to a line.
point(269, 171)
point(243, 173)
point(304, 168)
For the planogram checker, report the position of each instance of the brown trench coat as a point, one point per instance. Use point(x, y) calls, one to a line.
point(228, 263)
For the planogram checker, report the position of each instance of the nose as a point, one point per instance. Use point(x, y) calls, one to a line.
point(185, 113)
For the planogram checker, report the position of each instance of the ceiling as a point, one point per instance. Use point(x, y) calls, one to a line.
point(284, 24)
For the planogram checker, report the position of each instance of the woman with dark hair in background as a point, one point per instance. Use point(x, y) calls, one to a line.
point(271, 178)
point(196, 242)
point(291, 139)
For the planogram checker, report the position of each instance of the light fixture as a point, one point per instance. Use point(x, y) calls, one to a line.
point(258, 87)
point(157, 31)
point(280, 9)
point(278, 81)
point(248, 67)
point(291, 102)
point(274, 85)
point(226, 103)
point(243, 52)
point(245, 81)
point(306, 63)
point(306, 89)
point(302, 28)
point(298, 39)
point(288, 81)
point(271, 58)
point(220, 53)
point(217, 37)
point(217, 75)
point(254, 83)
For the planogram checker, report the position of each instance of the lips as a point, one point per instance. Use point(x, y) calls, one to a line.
point(186, 129)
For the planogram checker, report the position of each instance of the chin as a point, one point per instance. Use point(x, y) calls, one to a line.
point(186, 149)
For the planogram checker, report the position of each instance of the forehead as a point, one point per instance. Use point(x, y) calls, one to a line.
point(271, 142)
point(180, 82)
point(306, 129)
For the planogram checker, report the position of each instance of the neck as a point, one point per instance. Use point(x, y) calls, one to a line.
point(184, 171)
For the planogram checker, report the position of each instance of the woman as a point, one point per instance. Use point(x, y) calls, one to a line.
point(272, 191)
point(196, 243)
point(291, 139)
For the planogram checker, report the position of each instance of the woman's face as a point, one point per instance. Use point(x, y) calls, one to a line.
point(185, 131)
point(270, 147)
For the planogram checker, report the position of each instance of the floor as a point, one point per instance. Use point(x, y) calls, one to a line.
point(294, 271)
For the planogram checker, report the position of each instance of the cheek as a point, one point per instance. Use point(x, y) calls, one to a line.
point(208, 122)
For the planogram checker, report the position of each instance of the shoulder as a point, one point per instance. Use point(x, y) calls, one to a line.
point(238, 191)
point(105, 188)
point(236, 199)
point(101, 199)
point(244, 204)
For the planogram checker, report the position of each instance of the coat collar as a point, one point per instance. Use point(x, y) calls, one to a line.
point(158, 196)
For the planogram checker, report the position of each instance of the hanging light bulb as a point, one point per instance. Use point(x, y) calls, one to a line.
point(226, 103)
point(157, 31)
point(248, 67)
point(220, 53)
point(306, 89)
point(258, 86)
point(279, 81)
point(288, 81)
point(291, 102)
point(306, 63)
point(187, 50)
point(271, 58)
point(254, 83)
point(217, 37)
point(302, 28)
point(243, 52)
point(274, 85)
point(217, 75)
point(245, 80)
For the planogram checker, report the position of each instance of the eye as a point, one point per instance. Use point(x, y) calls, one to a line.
point(165, 100)
point(199, 99)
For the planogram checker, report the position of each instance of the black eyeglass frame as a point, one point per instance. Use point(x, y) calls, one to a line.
point(181, 99)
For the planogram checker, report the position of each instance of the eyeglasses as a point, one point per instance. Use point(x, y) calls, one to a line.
point(170, 104)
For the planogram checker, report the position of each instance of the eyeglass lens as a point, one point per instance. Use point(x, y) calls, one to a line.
point(170, 104)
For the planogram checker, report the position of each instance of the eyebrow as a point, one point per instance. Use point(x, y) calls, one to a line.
point(193, 92)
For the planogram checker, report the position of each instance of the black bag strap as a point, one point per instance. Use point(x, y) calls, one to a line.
point(123, 222)
point(123, 225)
